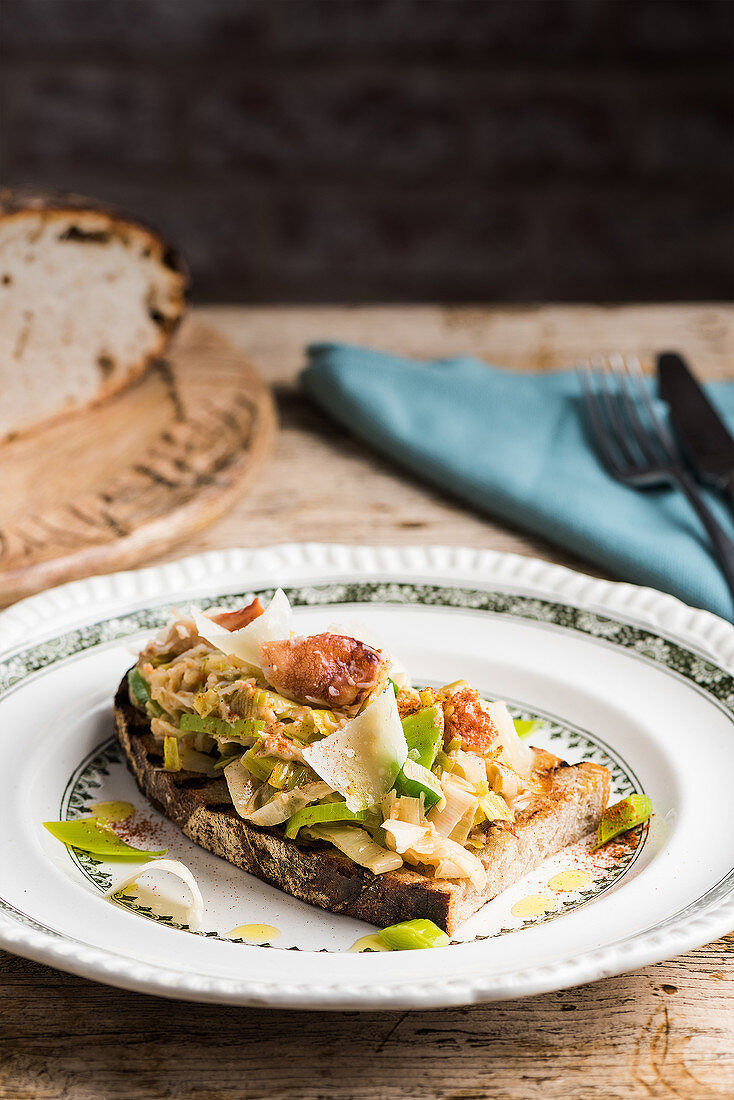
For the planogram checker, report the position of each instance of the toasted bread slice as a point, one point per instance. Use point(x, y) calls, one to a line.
point(569, 805)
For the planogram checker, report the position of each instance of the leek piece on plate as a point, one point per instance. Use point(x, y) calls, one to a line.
point(525, 727)
point(412, 935)
point(622, 816)
point(87, 834)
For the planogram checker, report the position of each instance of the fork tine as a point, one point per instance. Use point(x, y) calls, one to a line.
point(612, 404)
point(634, 371)
point(644, 438)
point(599, 426)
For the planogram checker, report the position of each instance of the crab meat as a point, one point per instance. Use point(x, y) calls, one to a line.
point(235, 620)
point(467, 717)
point(326, 670)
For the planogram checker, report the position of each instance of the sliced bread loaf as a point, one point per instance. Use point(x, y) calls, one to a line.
point(88, 297)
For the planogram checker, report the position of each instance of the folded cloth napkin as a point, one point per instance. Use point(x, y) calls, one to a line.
point(517, 446)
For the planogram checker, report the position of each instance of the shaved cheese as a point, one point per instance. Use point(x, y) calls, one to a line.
point(174, 867)
point(361, 760)
point(273, 625)
point(518, 755)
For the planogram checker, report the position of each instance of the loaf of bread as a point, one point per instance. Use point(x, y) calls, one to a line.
point(88, 297)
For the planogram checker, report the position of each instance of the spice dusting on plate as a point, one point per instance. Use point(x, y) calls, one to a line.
point(138, 830)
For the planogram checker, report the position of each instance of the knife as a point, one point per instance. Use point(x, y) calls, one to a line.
point(704, 438)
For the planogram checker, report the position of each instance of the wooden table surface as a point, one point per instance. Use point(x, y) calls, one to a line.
point(664, 1031)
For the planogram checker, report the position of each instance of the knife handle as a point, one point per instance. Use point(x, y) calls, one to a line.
point(726, 488)
point(722, 543)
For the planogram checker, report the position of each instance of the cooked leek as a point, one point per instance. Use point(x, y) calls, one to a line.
point(414, 780)
point(243, 727)
point(249, 701)
point(622, 816)
point(87, 834)
point(171, 755)
point(470, 767)
point(259, 766)
point(494, 807)
point(206, 702)
point(229, 753)
point(301, 774)
point(459, 805)
point(525, 727)
point(286, 804)
point(424, 734)
point(411, 935)
point(139, 690)
point(280, 774)
point(358, 846)
point(242, 787)
point(313, 725)
point(313, 815)
point(193, 761)
point(174, 867)
point(403, 834)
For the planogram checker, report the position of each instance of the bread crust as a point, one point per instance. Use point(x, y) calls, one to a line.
point(569, 807)
point(17, 204)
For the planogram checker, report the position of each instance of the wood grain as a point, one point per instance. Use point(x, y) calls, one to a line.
point(136, 474)
point(665, 1031)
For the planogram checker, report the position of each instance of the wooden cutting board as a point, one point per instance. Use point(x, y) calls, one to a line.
point(107, 488)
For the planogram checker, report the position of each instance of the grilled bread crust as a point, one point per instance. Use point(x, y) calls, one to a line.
point(567, 808)
point(89, 296)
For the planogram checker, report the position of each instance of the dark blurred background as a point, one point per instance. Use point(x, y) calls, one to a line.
point(404, 150)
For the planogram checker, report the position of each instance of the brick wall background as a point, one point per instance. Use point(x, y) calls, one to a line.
point(366, 150)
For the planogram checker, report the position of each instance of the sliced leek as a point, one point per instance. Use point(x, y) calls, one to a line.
point(88, 835)
point(622, 816)
point(412, 935)
point(315, 815)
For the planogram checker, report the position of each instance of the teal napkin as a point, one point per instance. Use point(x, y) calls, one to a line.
point(516, 446)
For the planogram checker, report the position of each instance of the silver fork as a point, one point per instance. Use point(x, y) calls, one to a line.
point(636, 446)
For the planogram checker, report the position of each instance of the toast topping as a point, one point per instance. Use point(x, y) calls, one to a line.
point(316, 741)
point(235, 620)
point(328, 670)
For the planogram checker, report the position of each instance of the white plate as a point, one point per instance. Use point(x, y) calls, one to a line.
point(619, 674)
